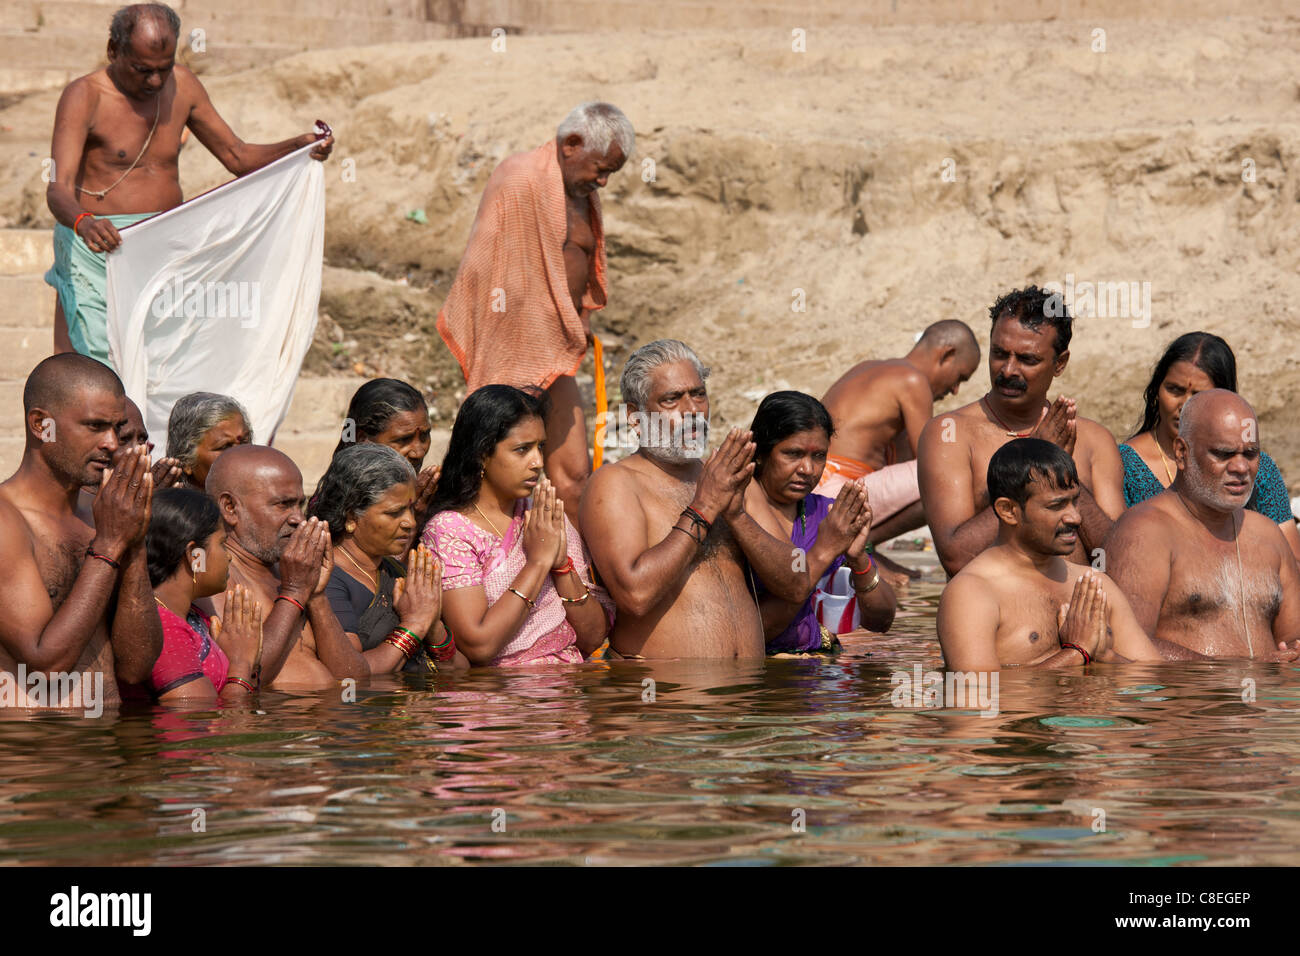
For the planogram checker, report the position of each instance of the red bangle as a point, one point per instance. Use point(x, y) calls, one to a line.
point(1087, 658)
point(76, 222)
point(564, 568)
point(242, 683)
point(297, 604)
point(870, 567)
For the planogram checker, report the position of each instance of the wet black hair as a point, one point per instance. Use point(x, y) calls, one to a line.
point(484, 420)
point(783, 414)
point(1024, 460)
point(375, 404)
point(1211, 354)
point(179, 516)
point(1033, 307)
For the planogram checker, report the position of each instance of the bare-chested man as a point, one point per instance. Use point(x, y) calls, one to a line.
point(77, 598)
point(117, 139)
point(1020, 603)
point(668, 531)
point(285, 560)
point(879, 408)
point(519, 311)
point(1200, 570)
point(1028, 348)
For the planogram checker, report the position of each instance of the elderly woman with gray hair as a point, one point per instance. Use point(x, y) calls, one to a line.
point(201, 426)
point(388, 611)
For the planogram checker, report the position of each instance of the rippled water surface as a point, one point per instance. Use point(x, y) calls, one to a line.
point(790, 761)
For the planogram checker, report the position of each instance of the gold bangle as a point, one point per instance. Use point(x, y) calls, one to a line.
point(875, 583)
point(523, 597)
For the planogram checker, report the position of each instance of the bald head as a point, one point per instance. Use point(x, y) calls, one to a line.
point(259, 494)
point(951, 333)
point(150, 26)
point(64, 377)
point(242, 467)
point(1217, 450)
point(948, 354)
point(1216, 410)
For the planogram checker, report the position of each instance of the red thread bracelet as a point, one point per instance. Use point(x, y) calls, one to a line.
point(297, 604)
point(77, 222)
point(1087, 658)
point(92, 553)
point(565, 568)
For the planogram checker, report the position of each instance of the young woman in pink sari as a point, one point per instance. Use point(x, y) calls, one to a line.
point(516, 578)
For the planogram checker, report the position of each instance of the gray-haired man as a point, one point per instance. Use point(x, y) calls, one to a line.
point(519, 311)
point(667, 529)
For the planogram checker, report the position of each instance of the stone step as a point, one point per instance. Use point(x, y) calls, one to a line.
point(26, 252)
point(320, 404)
point(53, 50)
point(27, 301)
point(21, 349)
point(35, 79)
point(11, 454)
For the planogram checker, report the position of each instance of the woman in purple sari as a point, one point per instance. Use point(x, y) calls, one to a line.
point(792, 432)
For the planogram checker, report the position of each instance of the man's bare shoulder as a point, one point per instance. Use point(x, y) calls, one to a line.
point(14, 528)
point(942, 425)
point(188, 85)
point(978, 581)
point(84, 91)
point(1093, 434)
point(1261, 528)
point(1147, 522)
point(614, 478)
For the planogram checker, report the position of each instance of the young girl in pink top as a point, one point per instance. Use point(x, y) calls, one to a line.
point(516, 578)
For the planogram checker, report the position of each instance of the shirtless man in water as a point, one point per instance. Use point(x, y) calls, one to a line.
point(1028, 348)
point(117, 140)
point(1020, 603)
point(77, 598)
point(679, 581)
point(879, 408)
point(1200, 570)
point(285, 560)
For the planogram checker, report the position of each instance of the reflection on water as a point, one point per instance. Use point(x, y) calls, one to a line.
point(788, 762)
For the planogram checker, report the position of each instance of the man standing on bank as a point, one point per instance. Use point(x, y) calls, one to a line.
point(117, 141)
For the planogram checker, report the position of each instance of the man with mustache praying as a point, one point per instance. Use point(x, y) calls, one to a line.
point(1028, 348)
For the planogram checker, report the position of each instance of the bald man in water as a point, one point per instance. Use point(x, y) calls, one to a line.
point(117, 141)
point(285, 560)
point(880, 407)
point(1020, 603)
point(1200, 570)
point(1029, 346)
point(76, 597)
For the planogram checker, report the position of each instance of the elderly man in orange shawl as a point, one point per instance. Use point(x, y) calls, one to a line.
point(519, 312)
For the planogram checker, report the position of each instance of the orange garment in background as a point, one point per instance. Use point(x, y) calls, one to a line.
point(509, 318)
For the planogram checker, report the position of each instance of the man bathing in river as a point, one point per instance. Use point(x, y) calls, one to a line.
point(1020, 603)
point(879, 408)
point(1028, 348)
point(1201, 570)
point(117, 139)
point(533, 272)
point(668, 532)
point(77, 598)
point(285, 562)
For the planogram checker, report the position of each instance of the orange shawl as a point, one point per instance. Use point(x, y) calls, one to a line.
point(509, 318)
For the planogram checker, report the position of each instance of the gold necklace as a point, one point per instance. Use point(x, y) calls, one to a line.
point(1163, 460)
point(344, 551)
point(488, 520)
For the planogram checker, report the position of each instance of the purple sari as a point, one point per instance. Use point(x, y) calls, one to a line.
point(804, 633)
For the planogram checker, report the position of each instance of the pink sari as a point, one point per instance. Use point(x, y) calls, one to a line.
point(473, 557)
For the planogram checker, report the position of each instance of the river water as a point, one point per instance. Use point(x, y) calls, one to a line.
point(782, 762)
